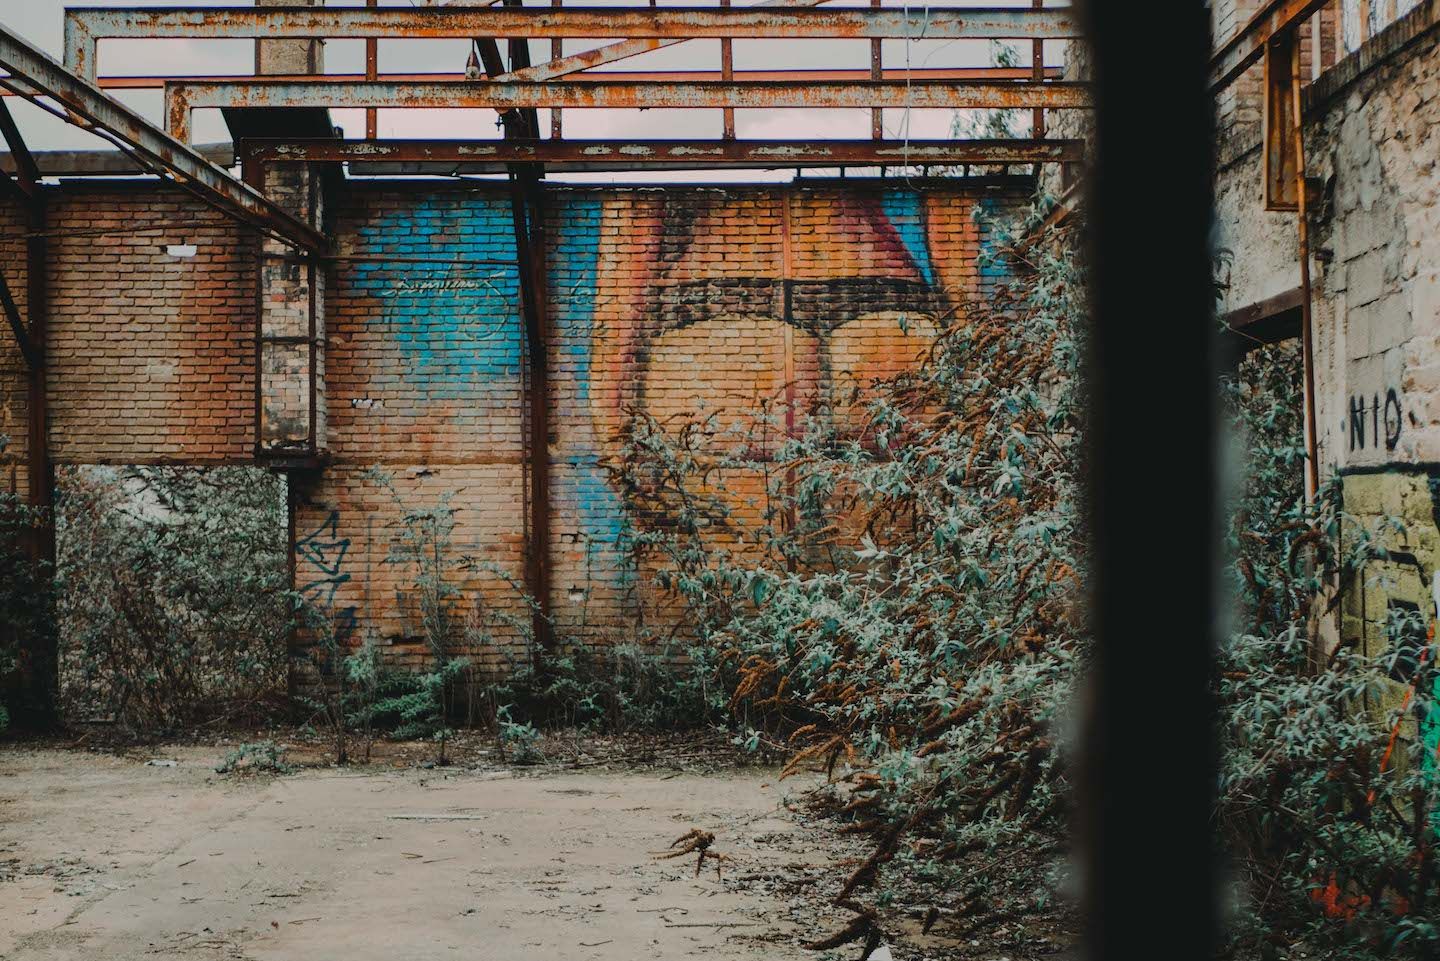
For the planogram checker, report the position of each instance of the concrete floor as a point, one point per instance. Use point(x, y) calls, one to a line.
point(108, 857)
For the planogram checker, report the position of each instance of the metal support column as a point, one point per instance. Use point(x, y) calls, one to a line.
point(39, 662)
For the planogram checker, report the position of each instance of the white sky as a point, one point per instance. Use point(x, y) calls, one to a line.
point(40, 22)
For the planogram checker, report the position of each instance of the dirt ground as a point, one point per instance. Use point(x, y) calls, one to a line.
point(106, 856)
point(149, 853)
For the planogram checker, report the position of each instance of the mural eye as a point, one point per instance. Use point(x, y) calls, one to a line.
point(727, 369)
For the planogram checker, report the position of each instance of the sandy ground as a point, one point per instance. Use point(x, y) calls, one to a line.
point(105, 856)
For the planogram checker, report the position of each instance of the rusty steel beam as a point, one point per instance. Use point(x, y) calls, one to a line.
point(654, 76)
point(84, 27)
point(527, 210)
point(36, 76)
point(779, 153)
point(183, 97)
point(1248, 43)
point(27, 172)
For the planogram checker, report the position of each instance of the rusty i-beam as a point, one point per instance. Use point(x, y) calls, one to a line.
point(84, 27)
point(183, 97)
point(527, 212)
point(673, 153)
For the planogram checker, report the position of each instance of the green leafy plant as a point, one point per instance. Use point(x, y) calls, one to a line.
point(260, 757)
point(519, 741)
point(422, 544)
point(902, 608)
point(1328, 791)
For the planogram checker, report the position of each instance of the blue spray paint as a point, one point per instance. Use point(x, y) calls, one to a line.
point(905, 209)
point(456, 324)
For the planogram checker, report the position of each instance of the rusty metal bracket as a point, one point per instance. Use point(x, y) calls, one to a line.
point(1248, 43)
point(36, 76)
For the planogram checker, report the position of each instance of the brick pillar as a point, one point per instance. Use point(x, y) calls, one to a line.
point(290, 353)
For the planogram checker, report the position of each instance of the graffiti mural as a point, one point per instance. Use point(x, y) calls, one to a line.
point(673, 302)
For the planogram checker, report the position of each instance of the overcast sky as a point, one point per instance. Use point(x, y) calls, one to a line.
point(40, 21)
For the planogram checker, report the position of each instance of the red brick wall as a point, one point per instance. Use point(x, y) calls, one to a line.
point(151, 355)
point(669, 301)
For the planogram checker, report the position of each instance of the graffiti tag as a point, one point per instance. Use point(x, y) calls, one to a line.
point(323, 553)
point(1382, 418)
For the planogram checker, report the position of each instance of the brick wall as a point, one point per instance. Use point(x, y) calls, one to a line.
point(670, 302)
point(667, 301)
point(150, 354)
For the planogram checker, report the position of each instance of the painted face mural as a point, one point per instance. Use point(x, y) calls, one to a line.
point(704, 301)
point(724, 304)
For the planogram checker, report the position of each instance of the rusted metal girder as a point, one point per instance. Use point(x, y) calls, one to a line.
point(36, 76)
point(184, 96)
point(84, 27)
point(527, 208)
point(653, 76)
point(1248, 43)
point(779, 153)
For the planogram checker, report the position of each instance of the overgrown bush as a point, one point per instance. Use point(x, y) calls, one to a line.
point(26, 613)
point(901, 606)
point(904, 612)
point(260, 757)
point(174, 596)
point(1328, 798)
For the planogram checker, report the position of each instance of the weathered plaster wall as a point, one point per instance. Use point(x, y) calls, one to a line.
point(1372, 152)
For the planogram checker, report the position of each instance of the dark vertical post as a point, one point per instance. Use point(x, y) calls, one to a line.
point(727, 74)
point(42, 477)
point(1037, 73)
point(1302, 221)
point(527, 207)
point(1148, 754)
point(557, 50)
point(40, 660)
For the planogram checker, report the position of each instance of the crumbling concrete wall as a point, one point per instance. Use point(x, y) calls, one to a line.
point(1371, 155)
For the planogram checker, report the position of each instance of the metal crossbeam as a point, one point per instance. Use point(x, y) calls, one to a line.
point(36, 76)
point(778, 153)
point(184, 96)
point(85, 26)
point(806, 75)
